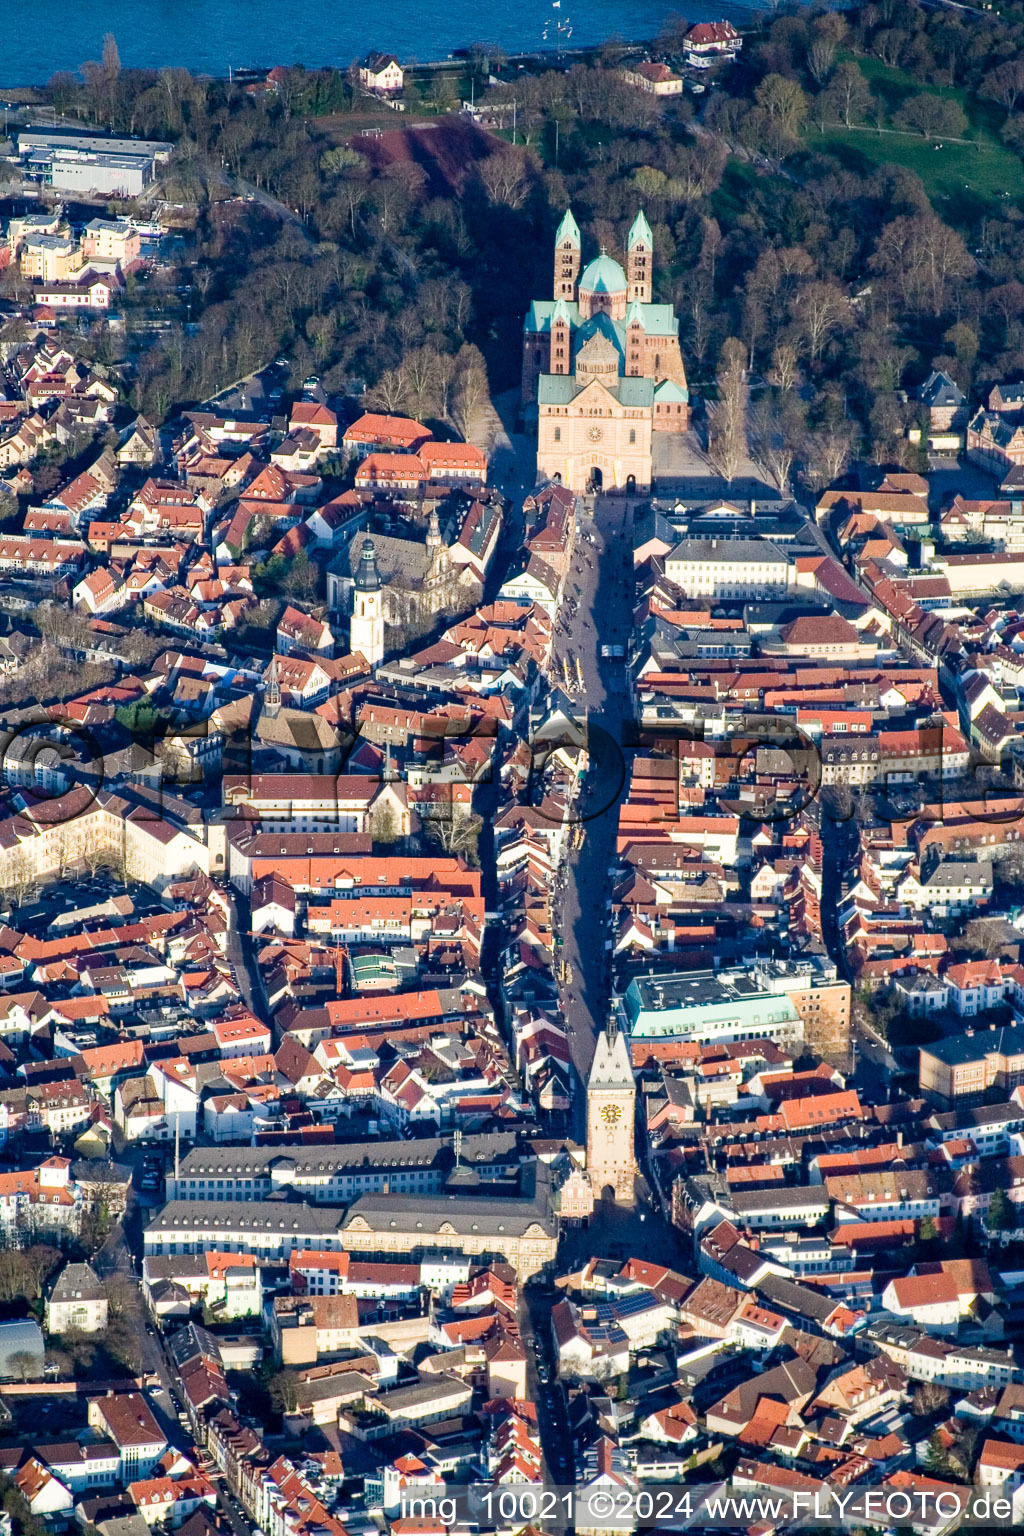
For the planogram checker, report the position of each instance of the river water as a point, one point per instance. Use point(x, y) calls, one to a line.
point(208, 36)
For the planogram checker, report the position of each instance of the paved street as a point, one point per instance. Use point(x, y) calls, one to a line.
point(600, 587)
point(241, 952)
point(602, 572)
point(535, 1330)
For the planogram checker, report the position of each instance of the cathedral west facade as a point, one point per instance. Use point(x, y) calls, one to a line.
point(602, 366)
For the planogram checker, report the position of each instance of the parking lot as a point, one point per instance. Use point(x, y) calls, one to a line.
point(262, 393)
point(43, 904)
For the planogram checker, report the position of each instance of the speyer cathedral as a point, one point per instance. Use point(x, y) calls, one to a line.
point(602, 366)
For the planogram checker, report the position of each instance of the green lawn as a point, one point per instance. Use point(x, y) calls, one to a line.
point(957, 177)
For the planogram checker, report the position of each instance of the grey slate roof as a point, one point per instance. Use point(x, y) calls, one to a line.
point(77, 1282)
point(422, 1152)
point(252, 1215)
point(736, 550)
point(466, 1213)
point(957, 1049)
point(939, 389)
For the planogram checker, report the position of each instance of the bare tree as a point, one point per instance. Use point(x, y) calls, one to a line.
point(928, 1397)
point(444, 375)
point(504, 177)
point(1005, 84)
point(18, 876)
point(986, 936)
point(24, 1364)
point(821, 55)
point(454, 828)
point(727, 439)
point(419, 373)
point(783, 100)
point(847, 95)
point(818, 310)
point(385, 825)
point(695, 171)
point(931, 116)
point(921, 256)
point(827, 453)
point(776, 431)
point(111, 57)
point(390, 392)
point(471, 395)
point(889, 45)
point(783, 370)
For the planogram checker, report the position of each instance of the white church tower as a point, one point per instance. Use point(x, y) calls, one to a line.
point(611, 1107)
point(366, 632)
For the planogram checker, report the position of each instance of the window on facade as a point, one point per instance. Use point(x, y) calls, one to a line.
point(632, 434)
point(558, 434)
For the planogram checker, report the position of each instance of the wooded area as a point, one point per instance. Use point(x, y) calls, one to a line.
point(827, 280)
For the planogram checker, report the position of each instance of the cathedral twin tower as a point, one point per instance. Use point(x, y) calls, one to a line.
point(602, 366)
point(639, 261)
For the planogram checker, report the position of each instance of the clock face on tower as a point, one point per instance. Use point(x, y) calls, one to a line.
point(595, 434)
point(611, 1113)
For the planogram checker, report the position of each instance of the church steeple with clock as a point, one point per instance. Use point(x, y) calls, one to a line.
point(611, 1103)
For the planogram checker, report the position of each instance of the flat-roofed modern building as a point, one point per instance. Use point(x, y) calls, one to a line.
point(90, 163)
point(704, 1007)
point(30, 139)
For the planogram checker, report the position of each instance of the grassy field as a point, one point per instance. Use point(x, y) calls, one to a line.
point(956, 176)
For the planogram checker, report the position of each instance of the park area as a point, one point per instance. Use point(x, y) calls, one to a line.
point(948, 137)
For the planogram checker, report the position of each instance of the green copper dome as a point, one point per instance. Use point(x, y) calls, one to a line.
point(603, 275)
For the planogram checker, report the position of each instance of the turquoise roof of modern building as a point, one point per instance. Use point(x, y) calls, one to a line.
point(603, 275)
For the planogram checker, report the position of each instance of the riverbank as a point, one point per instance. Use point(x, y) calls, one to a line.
point(745, 18)
point(214, 37)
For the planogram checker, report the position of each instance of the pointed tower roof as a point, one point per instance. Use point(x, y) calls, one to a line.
point(433, 539)
point(640, 233)
point(561, 312)
point(272, 693)
point(568, 229)
point(635, 314)
point(367, 574)
point(611, 1066)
